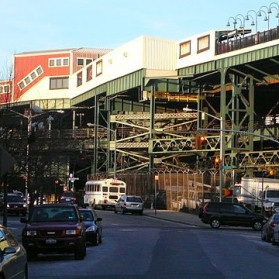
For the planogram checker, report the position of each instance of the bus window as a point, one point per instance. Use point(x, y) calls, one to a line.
point(105, 189)
point(113, 189)
point(122, 190)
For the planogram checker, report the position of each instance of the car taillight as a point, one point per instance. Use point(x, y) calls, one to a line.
point(205, 207)
point(75, 199)
point(124, 203)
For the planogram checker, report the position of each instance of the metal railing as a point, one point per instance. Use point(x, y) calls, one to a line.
point(246, 41)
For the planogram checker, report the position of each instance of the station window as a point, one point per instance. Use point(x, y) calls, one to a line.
point(30, 77)
point(89, 73)
point(184, 49)
point(59, 83)
point(58, 62)
point(203, 43)
point(79, 79)
point(99, 67)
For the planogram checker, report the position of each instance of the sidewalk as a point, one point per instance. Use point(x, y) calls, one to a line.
point(175, 216)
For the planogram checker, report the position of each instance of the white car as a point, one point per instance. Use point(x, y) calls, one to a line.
point(132, 204)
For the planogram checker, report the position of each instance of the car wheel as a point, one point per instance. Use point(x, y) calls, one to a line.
point(215, 223)
point(257, 226)
point(80, 252)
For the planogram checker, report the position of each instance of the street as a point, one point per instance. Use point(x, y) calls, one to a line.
point(143, 247)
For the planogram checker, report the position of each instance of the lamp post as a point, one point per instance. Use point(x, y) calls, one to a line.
point(266, 14)
point(114, 151)
point(222, 146)
point(253, 22)
point(277, 9)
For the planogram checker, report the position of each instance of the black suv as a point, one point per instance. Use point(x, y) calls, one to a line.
point(232, 214)
point(57, 228)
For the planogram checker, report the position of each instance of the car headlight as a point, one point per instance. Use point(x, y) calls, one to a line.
point(31, 233)
point(24, 205)
point(91, 228)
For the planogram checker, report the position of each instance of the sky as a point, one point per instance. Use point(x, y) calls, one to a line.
point(33, 25)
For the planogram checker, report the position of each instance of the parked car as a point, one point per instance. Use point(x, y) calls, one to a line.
point(268, 228)
point(54, 228)
point(13, 257)
point(68, 197)
point(275, 236)
point(232, 214)
point(93, 225)
point(132, 204)
point(15, 204)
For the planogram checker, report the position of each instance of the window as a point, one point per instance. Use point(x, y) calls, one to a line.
point(51, 62)
point(99, 67)
point(84, 61)
point(21, 85)
point(39, 71)
point(89, 73)
point(80, 62)
point(30, 77)
point(203, 43)
point(66, 62)
point(58, 62)
point(184, 49)
point(33, 75)
point(27, 80)
point(4, 89)
point(79, 79)
point(88, 61)
point(59, 83)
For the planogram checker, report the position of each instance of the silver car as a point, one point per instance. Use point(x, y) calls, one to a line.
point(13, 257)
point(132, 204)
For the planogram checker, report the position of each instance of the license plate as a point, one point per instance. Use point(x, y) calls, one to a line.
point(134, 205)
point(50, 241)
point(68, 199)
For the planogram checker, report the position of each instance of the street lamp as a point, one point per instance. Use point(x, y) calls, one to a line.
point(222, 146)
point(266, 14)
point(114, 135)
point(254, 23)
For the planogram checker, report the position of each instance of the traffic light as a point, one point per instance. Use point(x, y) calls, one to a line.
point(226, 192)
point(200, 142)
point(217, 161)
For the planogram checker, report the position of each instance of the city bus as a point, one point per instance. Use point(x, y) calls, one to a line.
point(102, 194)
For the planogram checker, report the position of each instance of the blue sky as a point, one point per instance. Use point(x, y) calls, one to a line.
point(31, 25)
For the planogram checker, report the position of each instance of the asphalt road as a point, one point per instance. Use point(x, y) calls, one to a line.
point(145, 247)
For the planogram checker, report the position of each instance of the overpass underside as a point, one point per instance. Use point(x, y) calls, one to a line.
point(152, 131)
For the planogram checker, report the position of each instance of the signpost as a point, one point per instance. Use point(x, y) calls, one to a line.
point(72, 179)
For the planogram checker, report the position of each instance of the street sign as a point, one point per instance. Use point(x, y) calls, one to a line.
point(227, 167)
point(72, 179)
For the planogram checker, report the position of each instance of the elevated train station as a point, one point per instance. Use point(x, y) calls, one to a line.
point(157, 106)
